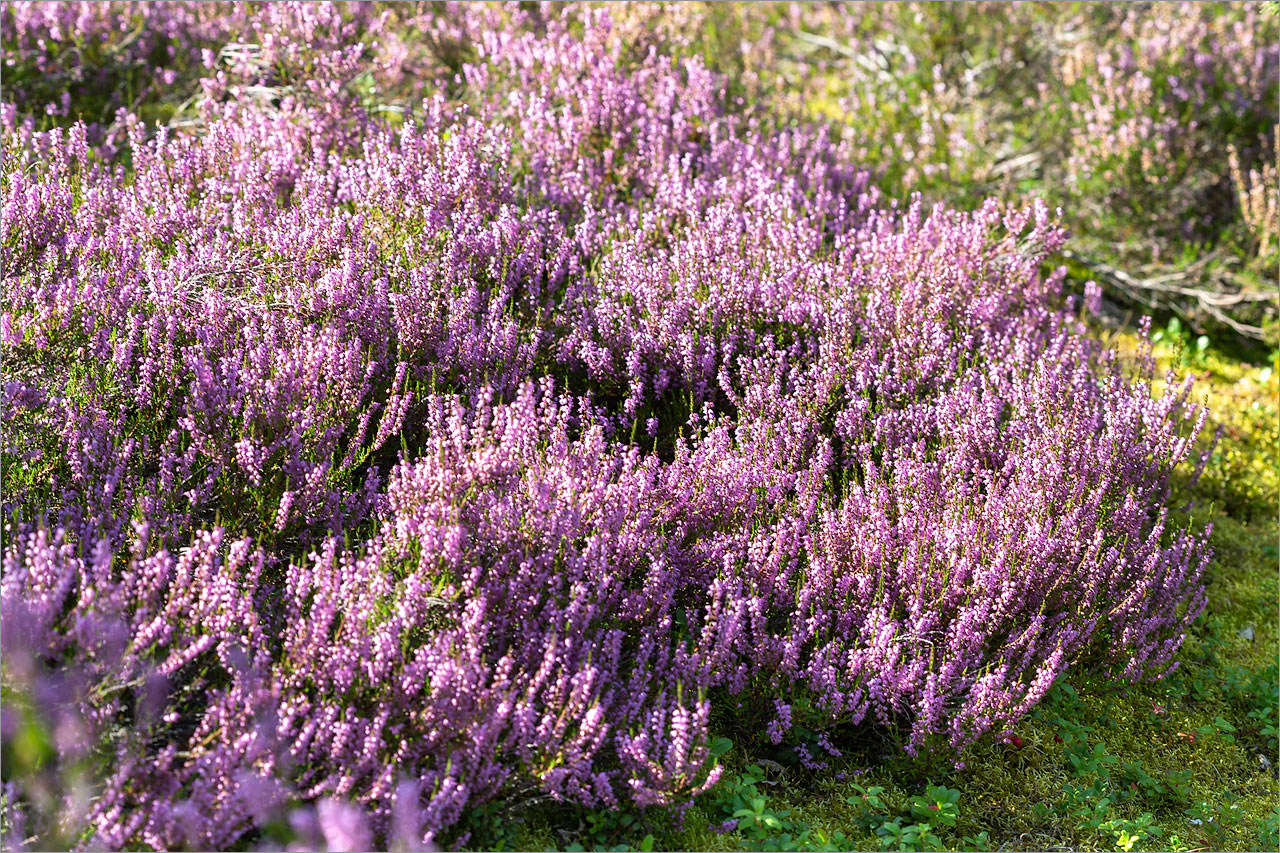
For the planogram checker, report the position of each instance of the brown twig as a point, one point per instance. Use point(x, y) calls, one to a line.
point(1148, 290)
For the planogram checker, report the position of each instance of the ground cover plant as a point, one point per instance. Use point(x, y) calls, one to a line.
point(469, 425)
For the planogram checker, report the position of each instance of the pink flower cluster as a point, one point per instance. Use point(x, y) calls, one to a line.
point(479, 452)
point(1161, 99)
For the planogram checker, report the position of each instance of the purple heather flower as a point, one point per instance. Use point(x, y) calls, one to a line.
point(322, 429)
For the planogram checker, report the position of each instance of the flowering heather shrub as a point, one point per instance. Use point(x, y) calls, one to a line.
point(1167, 73)
point(483, 452)
point(93, 53)
point(1258, 195)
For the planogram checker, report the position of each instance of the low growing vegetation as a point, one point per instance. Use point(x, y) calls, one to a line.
point(710, 427)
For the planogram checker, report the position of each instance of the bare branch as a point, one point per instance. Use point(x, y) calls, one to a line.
point(1146, 291)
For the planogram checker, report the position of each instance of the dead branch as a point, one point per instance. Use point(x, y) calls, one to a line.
point(1147, 291)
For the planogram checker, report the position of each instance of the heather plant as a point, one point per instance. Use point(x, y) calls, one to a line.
point(87, 60)
point(1257, 195)
point(1126, 116)
point(1164, 76)
point(364, 467)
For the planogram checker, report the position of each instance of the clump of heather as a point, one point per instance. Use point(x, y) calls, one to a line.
point(1180, 85)
point(1146, 123)
point(390, 462)
point(100, 57)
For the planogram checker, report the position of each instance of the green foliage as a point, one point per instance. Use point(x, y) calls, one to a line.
point(759, 825)
point(938, 807)
point(1269, 831)
point(1192, 349)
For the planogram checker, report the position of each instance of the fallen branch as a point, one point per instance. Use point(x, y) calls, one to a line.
point(1146, 291)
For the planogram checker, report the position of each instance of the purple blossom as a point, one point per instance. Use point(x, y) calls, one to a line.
point(397, 466)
